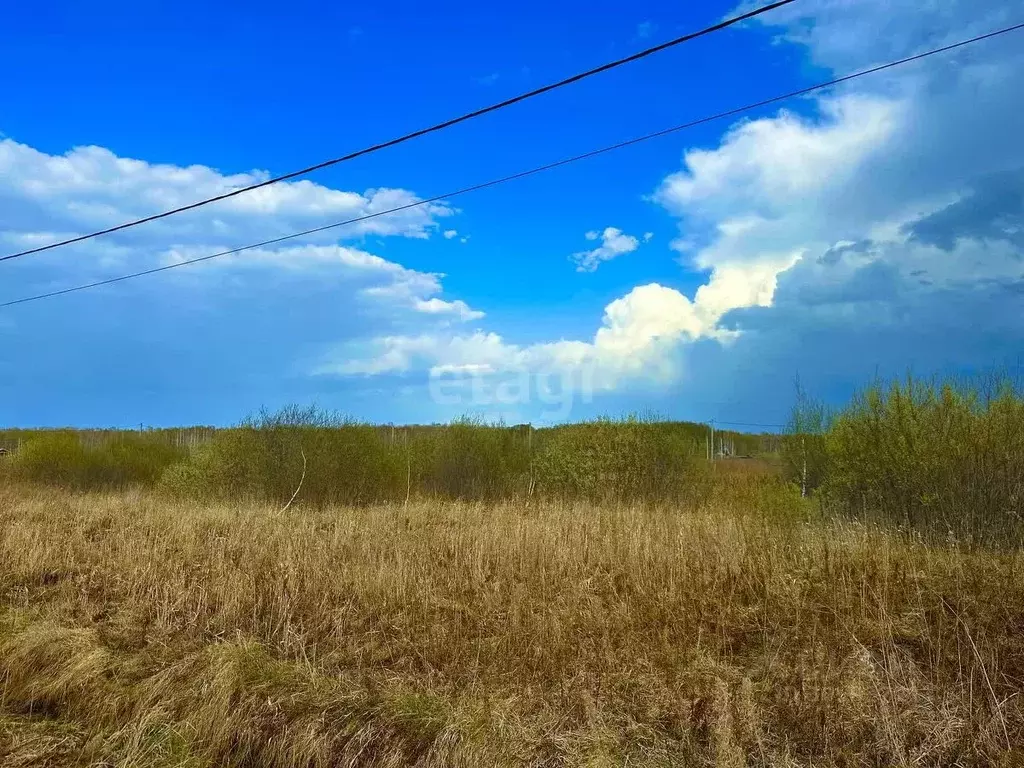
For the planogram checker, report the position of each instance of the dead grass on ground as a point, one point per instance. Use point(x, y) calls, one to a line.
point(135, 631)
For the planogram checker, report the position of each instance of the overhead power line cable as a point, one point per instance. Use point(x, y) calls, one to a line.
point(415, 134)
point(522, 174)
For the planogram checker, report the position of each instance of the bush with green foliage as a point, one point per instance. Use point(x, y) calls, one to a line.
point(329, 459)
point(945, 459)
point(629, 460)
point(65, 460)
point(471, 460)
point(803, 451)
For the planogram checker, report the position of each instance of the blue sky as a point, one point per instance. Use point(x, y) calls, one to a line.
point(874, 228)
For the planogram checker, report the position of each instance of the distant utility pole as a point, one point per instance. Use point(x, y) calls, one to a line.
point(712, 441)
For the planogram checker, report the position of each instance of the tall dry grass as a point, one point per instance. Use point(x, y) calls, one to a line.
point(732, 630)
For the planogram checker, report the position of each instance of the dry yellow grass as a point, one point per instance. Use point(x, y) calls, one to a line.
point(135, 631)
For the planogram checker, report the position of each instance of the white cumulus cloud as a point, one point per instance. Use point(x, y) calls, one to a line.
point(457, 309)
point(46, 197)
point(635, 340)
point(614, 242)
point(50, 197)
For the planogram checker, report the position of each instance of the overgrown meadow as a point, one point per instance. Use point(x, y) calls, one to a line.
point(306, 591)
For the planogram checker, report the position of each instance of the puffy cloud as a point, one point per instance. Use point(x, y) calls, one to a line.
point(450, 233)
point(457, 309)
point(842, 35)
point(635, 342)
point(890, 211)
point(614, 242)
point(745, 183)
point(374, 278)
point(54, 196)
point(51, 197)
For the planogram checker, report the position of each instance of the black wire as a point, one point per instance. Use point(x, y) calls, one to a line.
point(415, 134)
point(523, 174)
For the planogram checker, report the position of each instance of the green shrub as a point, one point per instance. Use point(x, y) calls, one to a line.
point(630, 460)
point(65, 460)
point(335, 461)
point(945, 459)
point(470, 460)
point(803, 451)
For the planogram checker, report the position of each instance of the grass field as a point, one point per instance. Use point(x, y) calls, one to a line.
point(302, 592)
point(740, 630)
